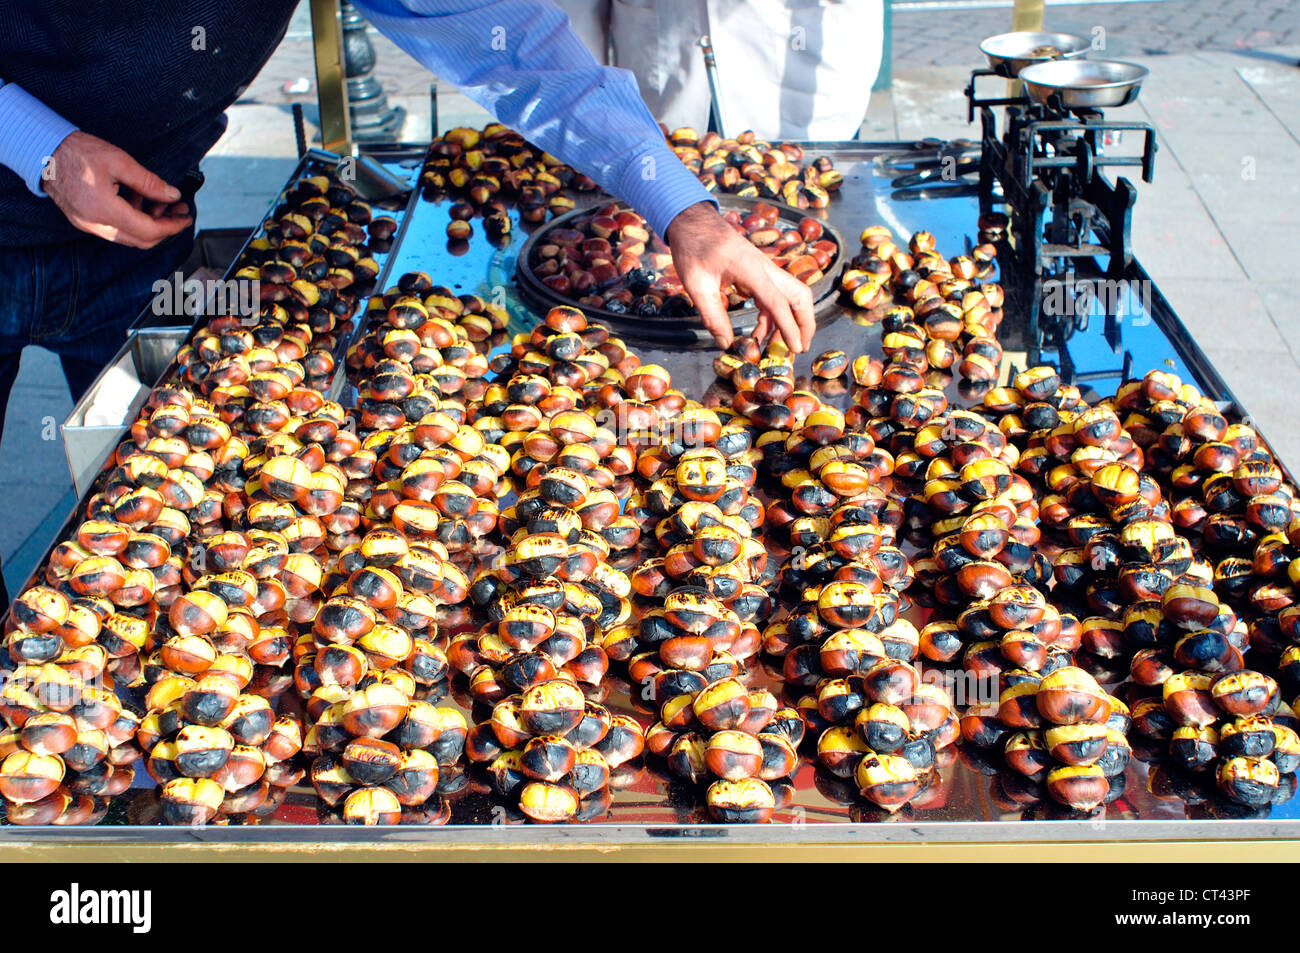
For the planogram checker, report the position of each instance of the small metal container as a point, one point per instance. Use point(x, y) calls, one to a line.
point(1084, 84)
point(1009, 53)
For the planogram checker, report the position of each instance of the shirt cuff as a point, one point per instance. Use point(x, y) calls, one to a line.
point(657, 185)
point(32, 131)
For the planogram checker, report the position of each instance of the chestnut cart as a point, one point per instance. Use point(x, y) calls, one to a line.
point(963, 816)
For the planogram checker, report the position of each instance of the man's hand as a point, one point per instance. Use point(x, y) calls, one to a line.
point(710, 254)
point(105, 192)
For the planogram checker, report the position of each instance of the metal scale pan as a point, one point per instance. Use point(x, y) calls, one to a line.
point(1084, 84)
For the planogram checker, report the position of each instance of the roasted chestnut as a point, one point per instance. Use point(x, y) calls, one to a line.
point(372, 805)
point(1082, 743)
point(886, 780)
point(26, 776)
point(1248, 781)
point(744, 801)
point(191, 801)
point(1081, 788)
point(1069, 696)
point(548, 803)
point(370, 760)
point(723, 704)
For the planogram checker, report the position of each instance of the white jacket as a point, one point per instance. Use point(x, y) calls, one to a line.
point(789, 69)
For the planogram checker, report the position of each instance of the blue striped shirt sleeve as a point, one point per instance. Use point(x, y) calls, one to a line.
point(29, 133)
point(520, 60)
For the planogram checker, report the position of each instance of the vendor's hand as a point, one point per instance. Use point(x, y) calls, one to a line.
point(105, 192)
point(710, 254)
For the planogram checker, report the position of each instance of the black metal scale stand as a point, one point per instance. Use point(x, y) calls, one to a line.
point(1067, 220)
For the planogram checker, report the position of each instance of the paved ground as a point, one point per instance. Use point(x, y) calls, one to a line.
point(1123, 29)
point(1216, 230)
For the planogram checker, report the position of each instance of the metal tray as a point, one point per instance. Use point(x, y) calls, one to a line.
point(684, 331)
point(646, 811)
point(144, 358)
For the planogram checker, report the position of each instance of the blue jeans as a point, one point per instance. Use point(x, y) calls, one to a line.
point(76, 300)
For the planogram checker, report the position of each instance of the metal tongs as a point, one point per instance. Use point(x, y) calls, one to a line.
point(715, 85)
point(933, 162)
point(371, 180)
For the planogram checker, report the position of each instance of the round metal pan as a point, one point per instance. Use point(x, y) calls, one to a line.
point(1084, 84)
point(684, 331)
point(1009, 53)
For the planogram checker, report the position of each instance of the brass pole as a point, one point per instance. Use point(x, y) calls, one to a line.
point(1027, 15)
point(331, 76)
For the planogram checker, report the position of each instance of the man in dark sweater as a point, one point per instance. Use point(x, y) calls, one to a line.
point(107, 107)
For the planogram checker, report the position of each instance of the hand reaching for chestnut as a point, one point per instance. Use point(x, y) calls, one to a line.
point(105, 192)
point(709, 255)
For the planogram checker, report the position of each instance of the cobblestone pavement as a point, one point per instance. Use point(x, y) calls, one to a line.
point(944, 37)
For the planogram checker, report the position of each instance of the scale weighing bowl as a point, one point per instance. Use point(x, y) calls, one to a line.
point(1009, 53)
point(1084, 84)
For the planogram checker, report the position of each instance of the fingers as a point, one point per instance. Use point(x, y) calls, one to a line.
point(132, 227)
point(163, 210)
point(784, 302)
point(800, 298)
point(772, 301)
point(706, 292)
point(96, 229)
point(105, 192)
point(139, 179)
point(709, 254)
point(774, 312)
point(160, 229)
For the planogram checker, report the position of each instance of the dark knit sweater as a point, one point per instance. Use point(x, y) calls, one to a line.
point(129, 72)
